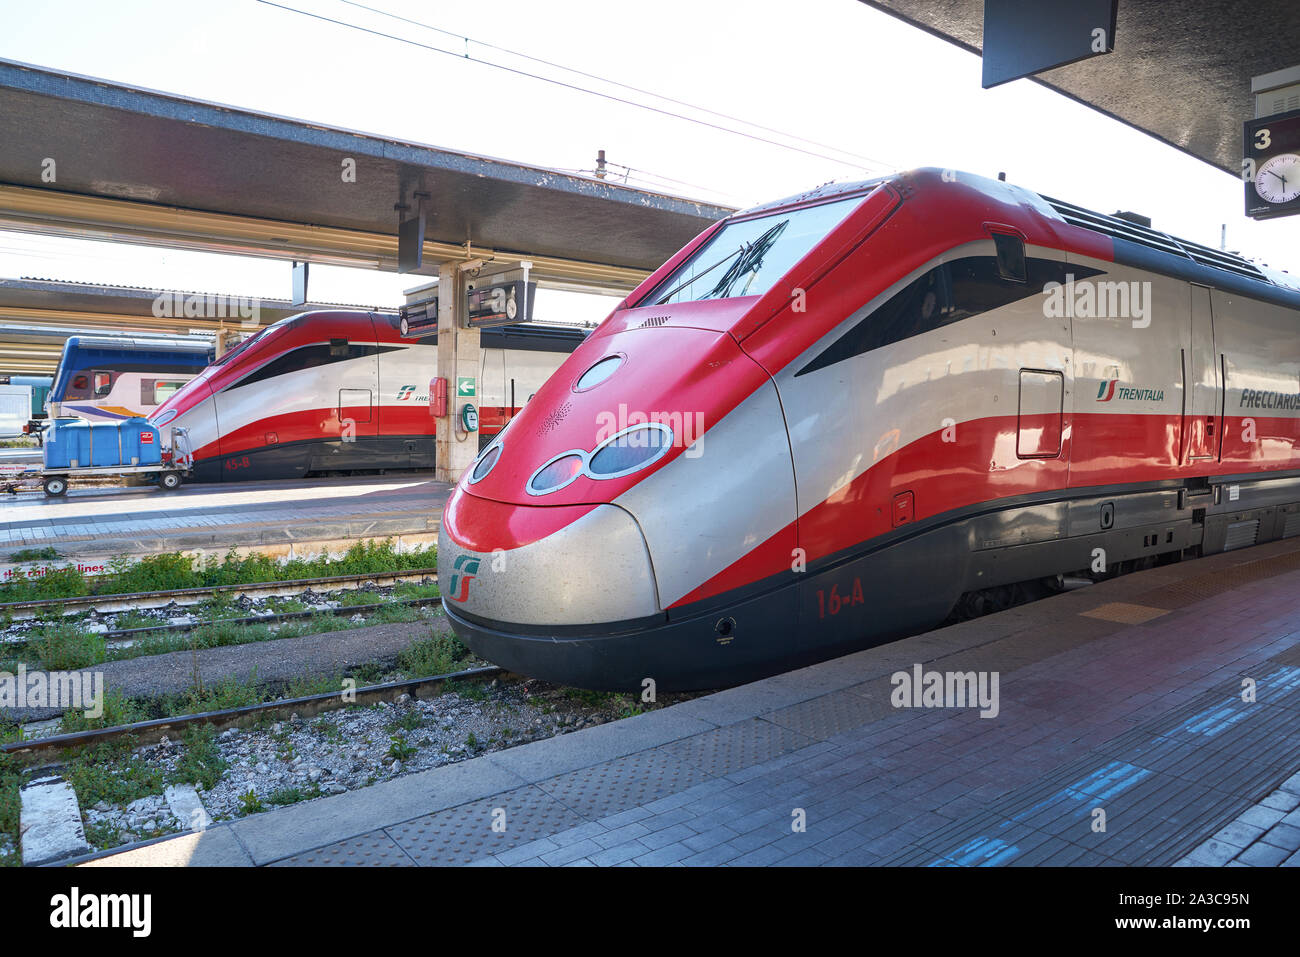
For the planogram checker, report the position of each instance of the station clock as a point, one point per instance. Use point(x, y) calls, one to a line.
point(1271, 165)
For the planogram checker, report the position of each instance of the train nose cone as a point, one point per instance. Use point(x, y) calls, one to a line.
point(595, 569)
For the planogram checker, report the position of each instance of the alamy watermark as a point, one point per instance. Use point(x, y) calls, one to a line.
point(951, 689)
point(1089, 299)
point(687, 428)
point(178, 305)
point(70, 690)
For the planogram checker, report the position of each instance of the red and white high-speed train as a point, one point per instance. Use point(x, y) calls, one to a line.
point(342, 391)
point(827, 419)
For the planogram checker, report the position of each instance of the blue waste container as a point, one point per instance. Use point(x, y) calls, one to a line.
point(66, 442)
point(105, 444)
point(140, 444)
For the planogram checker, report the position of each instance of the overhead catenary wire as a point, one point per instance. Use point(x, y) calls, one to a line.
point(625, 86)
point(575, 87)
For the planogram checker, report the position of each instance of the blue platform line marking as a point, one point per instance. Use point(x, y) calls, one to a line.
point(980, 852)
point(1099, 785)
point(1102, 784)
point(1220, 717)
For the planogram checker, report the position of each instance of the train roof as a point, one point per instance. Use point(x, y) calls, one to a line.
point(128, 344)
point(1134, 244)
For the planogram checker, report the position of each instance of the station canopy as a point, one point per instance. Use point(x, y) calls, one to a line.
point(1180, 71)
point(149, 167)
point(38, 315)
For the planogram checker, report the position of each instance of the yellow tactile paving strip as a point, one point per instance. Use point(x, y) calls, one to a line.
point(1125, 613)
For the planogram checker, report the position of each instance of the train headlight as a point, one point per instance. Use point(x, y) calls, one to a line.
point(557, 473)
point(598, 373)
point(485, 464)
point(630, 450)
point(621, 454)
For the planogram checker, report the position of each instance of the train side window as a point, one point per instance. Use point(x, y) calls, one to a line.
point(924, 304)
point(946, 294)
point(978, 285)
point(157, 391)
point(162, 391)
point(1011, 257)
point(103, 383)
point(310, 357)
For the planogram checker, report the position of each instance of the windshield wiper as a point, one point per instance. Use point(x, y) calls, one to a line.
point(747, 263)
point(751, 257)
point(676, 289)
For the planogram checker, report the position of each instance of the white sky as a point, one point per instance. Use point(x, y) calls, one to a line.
point(833, 71)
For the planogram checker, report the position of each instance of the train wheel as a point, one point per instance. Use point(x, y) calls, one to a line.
point(55, 486)
point(169, 480)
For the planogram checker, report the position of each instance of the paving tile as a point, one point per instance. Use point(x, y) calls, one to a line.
point(713, 856)
point(669, 835)
point(376, 849)
point(1283, 835)
point(621, 835)
point(618, 853)
point(524, 852)
point(491, 826)
point(668, 854)
point(710, 838)
point(1242, 835)
point(759, 857)
point(1263, 855)
point(1262, 817)
point(570, 852)
point(737, 746)
point(1284, 801)
point(636, 780)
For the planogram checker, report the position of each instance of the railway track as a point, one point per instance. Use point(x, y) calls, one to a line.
point(154, 729)
point(123, 637)
point(185, 597)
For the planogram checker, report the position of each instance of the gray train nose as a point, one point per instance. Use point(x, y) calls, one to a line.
point(594, 570)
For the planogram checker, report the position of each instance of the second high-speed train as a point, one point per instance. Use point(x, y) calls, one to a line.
point(343, 391)
point(827, 421)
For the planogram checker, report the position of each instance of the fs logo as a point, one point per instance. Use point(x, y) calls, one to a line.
point(1106, 391)
point(463, 573)
point(405, 392)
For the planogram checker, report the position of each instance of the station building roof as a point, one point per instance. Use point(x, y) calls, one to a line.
point(1179, 71)
point(152, 167)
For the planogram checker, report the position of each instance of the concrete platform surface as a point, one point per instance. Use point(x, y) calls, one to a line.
point(92, 523)
point(1135, 720)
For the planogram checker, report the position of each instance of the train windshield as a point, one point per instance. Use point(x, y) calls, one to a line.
point(261, 336)
point(747, 257)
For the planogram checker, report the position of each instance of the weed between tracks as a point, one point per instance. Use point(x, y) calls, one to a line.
point(11, 780)
point(67, 644)
point(44, 554)
point(176, 570)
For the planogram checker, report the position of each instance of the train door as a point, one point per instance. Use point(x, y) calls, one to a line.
point(1038, 420)
point(356, 382)
point(406, 429)
point(1202, 385)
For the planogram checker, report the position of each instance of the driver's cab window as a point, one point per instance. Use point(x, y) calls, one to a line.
point(103, 383)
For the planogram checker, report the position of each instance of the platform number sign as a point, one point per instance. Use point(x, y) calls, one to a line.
point(1271, 167)
point(465, 385)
